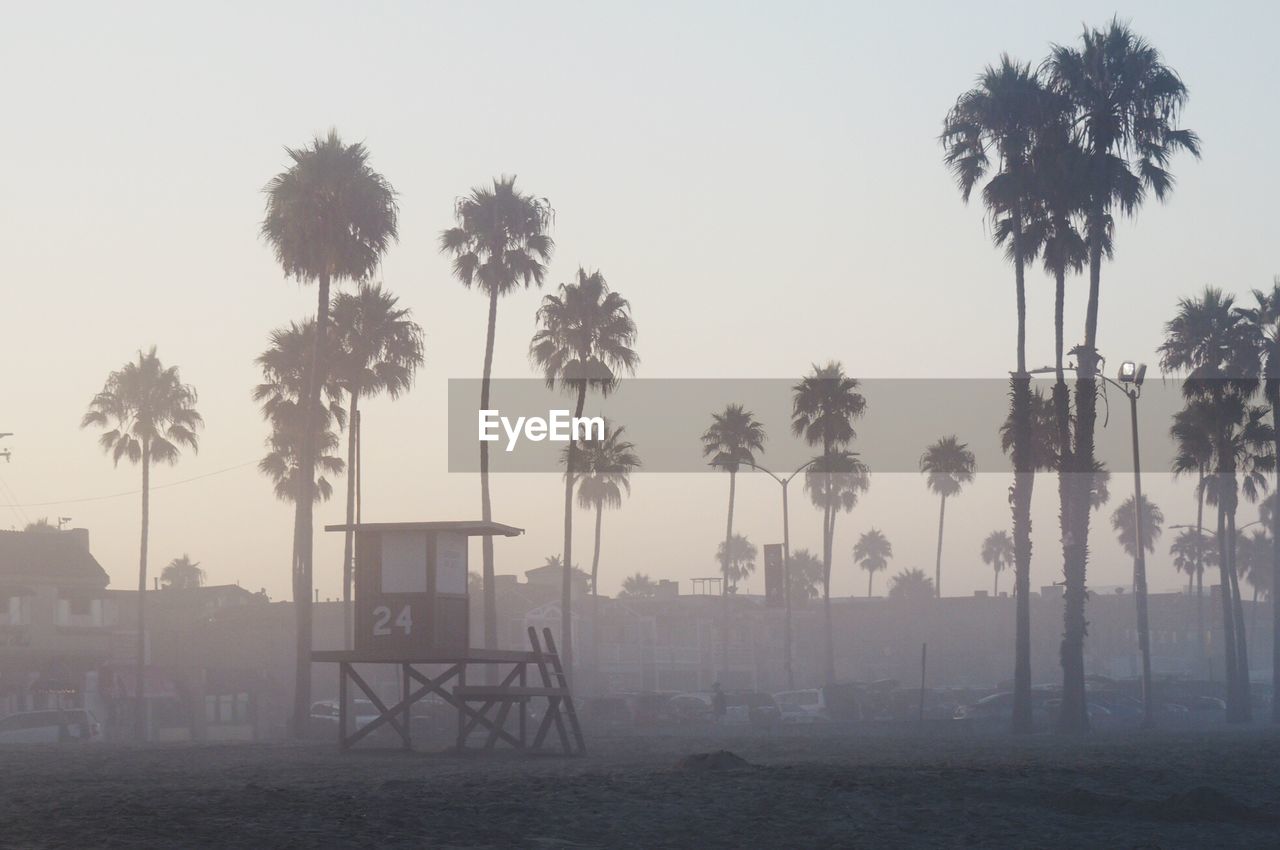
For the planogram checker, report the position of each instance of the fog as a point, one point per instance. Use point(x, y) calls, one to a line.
point(759, 246)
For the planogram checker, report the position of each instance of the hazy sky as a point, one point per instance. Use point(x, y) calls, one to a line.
point(762, 181)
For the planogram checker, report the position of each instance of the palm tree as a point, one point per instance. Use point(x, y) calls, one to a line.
point(584, 342)
point(150, 416)
point(330, 217)
point(997, 553)
point(872, 552)
point(825, 405)
point(283, 461)
point(1123, 521)
point(912, 584)
point(1125, 103)
point(806, 575)
point(1264, 322)
point(379, 350)
point(1215, 346)
point(948, 466)
point(1192, 551)
point(286, 373)
point(606, 477)
point(1191, 432)
point(741, 559)
point(1255, 568)
point(639, 586)
point(1152, 526)
point(500, 242)
point(182, 574)
point(732, 440)
point(1000, 119)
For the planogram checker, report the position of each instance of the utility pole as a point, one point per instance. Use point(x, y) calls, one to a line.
point(5, 453)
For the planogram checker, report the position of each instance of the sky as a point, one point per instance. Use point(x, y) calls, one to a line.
point(762, 181)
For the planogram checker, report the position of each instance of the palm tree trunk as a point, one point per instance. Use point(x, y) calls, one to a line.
point(1074, 716)
point(828, 534)
point(1228, 625)
point(1200, 566)
point(486, 507)
point(1024, 479)
point(1237, 607)
point(724, 581)
point(302, 519)
point(140, 691)
point(995, 584)
point(937, 568)
point(1275, 580)
point(566, 580)
point(348, 545)
point(870, 575)
point(595, 600)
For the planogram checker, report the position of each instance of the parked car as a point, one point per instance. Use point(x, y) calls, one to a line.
point(323, 721)
point(50, 727)
point(807, 706)
point(690, 708)
point(752, 707)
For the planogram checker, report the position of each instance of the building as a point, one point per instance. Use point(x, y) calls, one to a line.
point(55, 619)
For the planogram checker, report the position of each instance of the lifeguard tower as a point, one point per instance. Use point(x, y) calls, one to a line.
point(412, 610)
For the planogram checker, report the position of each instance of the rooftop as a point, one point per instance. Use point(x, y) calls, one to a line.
point(469, 528)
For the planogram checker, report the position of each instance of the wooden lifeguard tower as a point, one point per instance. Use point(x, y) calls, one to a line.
point(412, 610)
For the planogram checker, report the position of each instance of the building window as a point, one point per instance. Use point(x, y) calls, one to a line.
point(226, 709)
point(81, 606)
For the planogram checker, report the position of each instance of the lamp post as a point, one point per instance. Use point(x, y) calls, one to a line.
point(786, 562)
point(1131, 375)
point(1129, 381)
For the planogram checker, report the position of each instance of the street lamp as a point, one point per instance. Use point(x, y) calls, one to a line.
point(786, 560)
point(1129, 381)
point(1131, 375)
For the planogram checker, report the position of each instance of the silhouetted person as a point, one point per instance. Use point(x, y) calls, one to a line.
point(719, 706)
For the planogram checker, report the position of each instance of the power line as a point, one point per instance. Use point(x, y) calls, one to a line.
point(126, 492)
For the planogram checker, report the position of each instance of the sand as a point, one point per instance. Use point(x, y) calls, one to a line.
point(943, 788)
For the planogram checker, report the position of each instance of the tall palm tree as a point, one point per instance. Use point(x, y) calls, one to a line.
point(997, 553)
point(330, 217)
point(872, 552)
point(806, 575)
point(1192, 551)
point(947, 465)
point(1152, 526)
point(825, 404)
point(1255, 568)
point(913, 585)
point(1124, 522)
point(1125, 104)
point(500, 242)
point(605, 479)
point(1211, 342)
point(283, 461)
point(999, 119)
point(150, 416)
point(741, 557)
point(733, 439)
point(379, 349)
point(584, 341)
point(1264, 321)
point(182, 574)
point(1191, 432)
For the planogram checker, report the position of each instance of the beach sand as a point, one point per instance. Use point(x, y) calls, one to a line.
point(799, 788)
